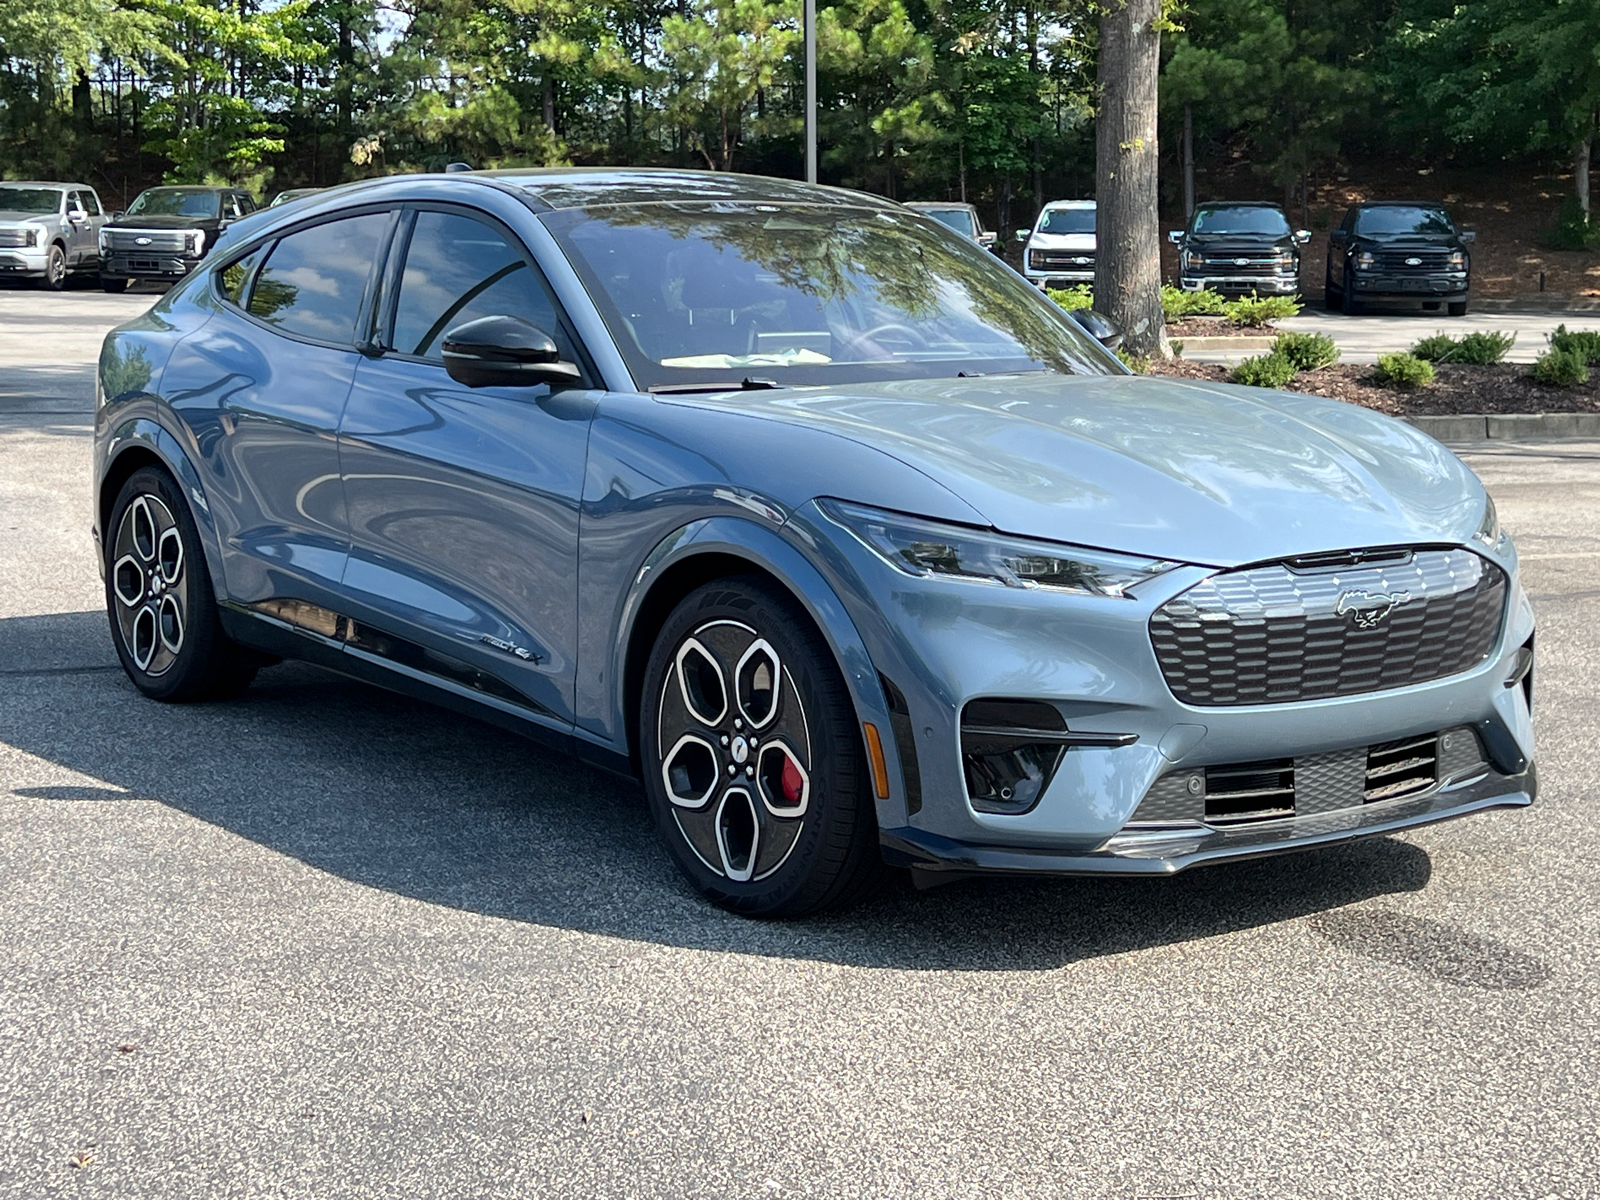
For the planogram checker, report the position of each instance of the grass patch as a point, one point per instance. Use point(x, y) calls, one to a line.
point(1307, 351)
point(1403, 371)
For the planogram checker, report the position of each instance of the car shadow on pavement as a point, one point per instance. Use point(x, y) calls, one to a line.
point(395, 794)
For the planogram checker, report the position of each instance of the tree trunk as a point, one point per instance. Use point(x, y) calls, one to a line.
point(1580, 171)
point(1127, 273)
point(1188, 162)
point(548, 87)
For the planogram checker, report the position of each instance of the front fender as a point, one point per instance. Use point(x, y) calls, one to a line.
point(768, 551)
point(143, 434)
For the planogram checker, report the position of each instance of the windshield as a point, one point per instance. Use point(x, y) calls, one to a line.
point(30, 200)
point(958, 219)
point(1241, 218)
point(802, 294)
point(1067, 220)
point(1403, 220)
point(174, 202)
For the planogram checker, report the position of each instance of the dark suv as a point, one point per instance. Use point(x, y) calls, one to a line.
point(166, 232)
point(1398, 251)
point(1239, 247)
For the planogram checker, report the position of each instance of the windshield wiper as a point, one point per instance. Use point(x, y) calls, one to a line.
point(744, 385)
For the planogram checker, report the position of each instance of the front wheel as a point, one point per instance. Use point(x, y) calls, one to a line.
point(159, 598)
point(55, 269)
point(752, 757)
point(1330, 298)
point(115, 286)
point(1458, 308)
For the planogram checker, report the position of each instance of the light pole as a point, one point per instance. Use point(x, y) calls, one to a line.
point(811, 89)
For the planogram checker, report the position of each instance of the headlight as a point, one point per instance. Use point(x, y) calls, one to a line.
point(1364, 259)
point(1458, 259)
point(33, 238)
point(1191, 259)
point(197, 240)
point(105, 241)
point(1489, 528)
point(932, 548)
point(1286, 258)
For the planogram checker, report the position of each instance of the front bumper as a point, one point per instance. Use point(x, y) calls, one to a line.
point(1168, 851)
point(943, 644)
point(1265, 285)
point(24, 263)
point(1407, 287)
point(1044, 280)
point(120, 265)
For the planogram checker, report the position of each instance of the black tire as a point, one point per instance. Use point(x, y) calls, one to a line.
point(115, 286)
point(1458, 308)
point(155, 568)
point(1348, 304)
point(55, 269)
point(815, 848)
point(1330, 294)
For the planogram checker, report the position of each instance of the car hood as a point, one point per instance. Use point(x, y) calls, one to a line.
point(1061, 241)
point(1196, 472)
point(1239, 243)
point(160, 221)
point(25, 218)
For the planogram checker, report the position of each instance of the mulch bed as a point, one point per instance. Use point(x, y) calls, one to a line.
point(1214, 327)
point(1503, 388)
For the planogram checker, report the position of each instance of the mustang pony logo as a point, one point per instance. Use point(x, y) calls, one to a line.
point(1368, 609)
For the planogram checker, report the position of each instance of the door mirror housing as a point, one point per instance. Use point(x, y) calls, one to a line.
point(1337, 236)
point(1175, 236)
point(987, 240)
point(1302, 236)
point(1098, 326)
point(77, 216)
point(1469, 235)
point(505, 352)
point(1022, 234)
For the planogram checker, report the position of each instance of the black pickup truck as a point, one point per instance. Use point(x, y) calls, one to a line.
point(1239, 247)
point(1397, 250)
point(166, 232)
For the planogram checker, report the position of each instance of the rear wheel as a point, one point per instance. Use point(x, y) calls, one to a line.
point(159, 598)
point(55, 269)
point(752, 757)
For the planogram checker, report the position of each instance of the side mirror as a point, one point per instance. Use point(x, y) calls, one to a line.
point(504, 352)
point(77, 216)
point(1098, 326)
point(1022, 234)
point(118, 215)
point(1338, 235)
point(987, 240)
point(1175, 236)
point(1302, 236)
point(1469, 235)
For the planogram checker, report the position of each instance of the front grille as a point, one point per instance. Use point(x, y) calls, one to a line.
point(14, 239)
point(1312, 784)
point(1250, 266)
point(156, 241)
point(1281, 634)
point(1061, 260)
point(1400, 260)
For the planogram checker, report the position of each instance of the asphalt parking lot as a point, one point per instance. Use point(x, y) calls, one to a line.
point(323, 941)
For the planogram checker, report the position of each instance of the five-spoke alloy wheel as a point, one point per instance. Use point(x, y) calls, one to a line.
point(752, 759)
point(159, 597)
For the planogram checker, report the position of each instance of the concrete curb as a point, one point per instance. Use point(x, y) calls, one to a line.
point(1218, 342)
point(1510, 427)
point(1535, 302)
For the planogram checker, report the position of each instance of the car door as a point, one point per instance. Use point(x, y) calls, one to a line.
point(263, 386)
point(81, 246)
point(97, 220)
point(464, 502)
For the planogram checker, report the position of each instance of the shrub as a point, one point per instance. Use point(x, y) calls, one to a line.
point(1561, 368)
point(1081, 296)
point(1473, 350)
point(1307, 351)
point(1267, 371)
point(1177, 348)
point(1441, 347)
point(1403, 370)
point(1139, 364)
point(1577, 341)
point(1177, 304)
point(1571, 231)
point(1482, 349)
point(1256, 310)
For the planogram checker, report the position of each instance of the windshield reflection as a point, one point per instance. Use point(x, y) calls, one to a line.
point(801, 294)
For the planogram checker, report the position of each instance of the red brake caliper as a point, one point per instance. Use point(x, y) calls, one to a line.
point(793, 784)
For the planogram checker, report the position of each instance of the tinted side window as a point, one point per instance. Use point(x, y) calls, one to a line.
point(457, 270)
point(91, 202)
point(313, 280)
point(235, 275)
